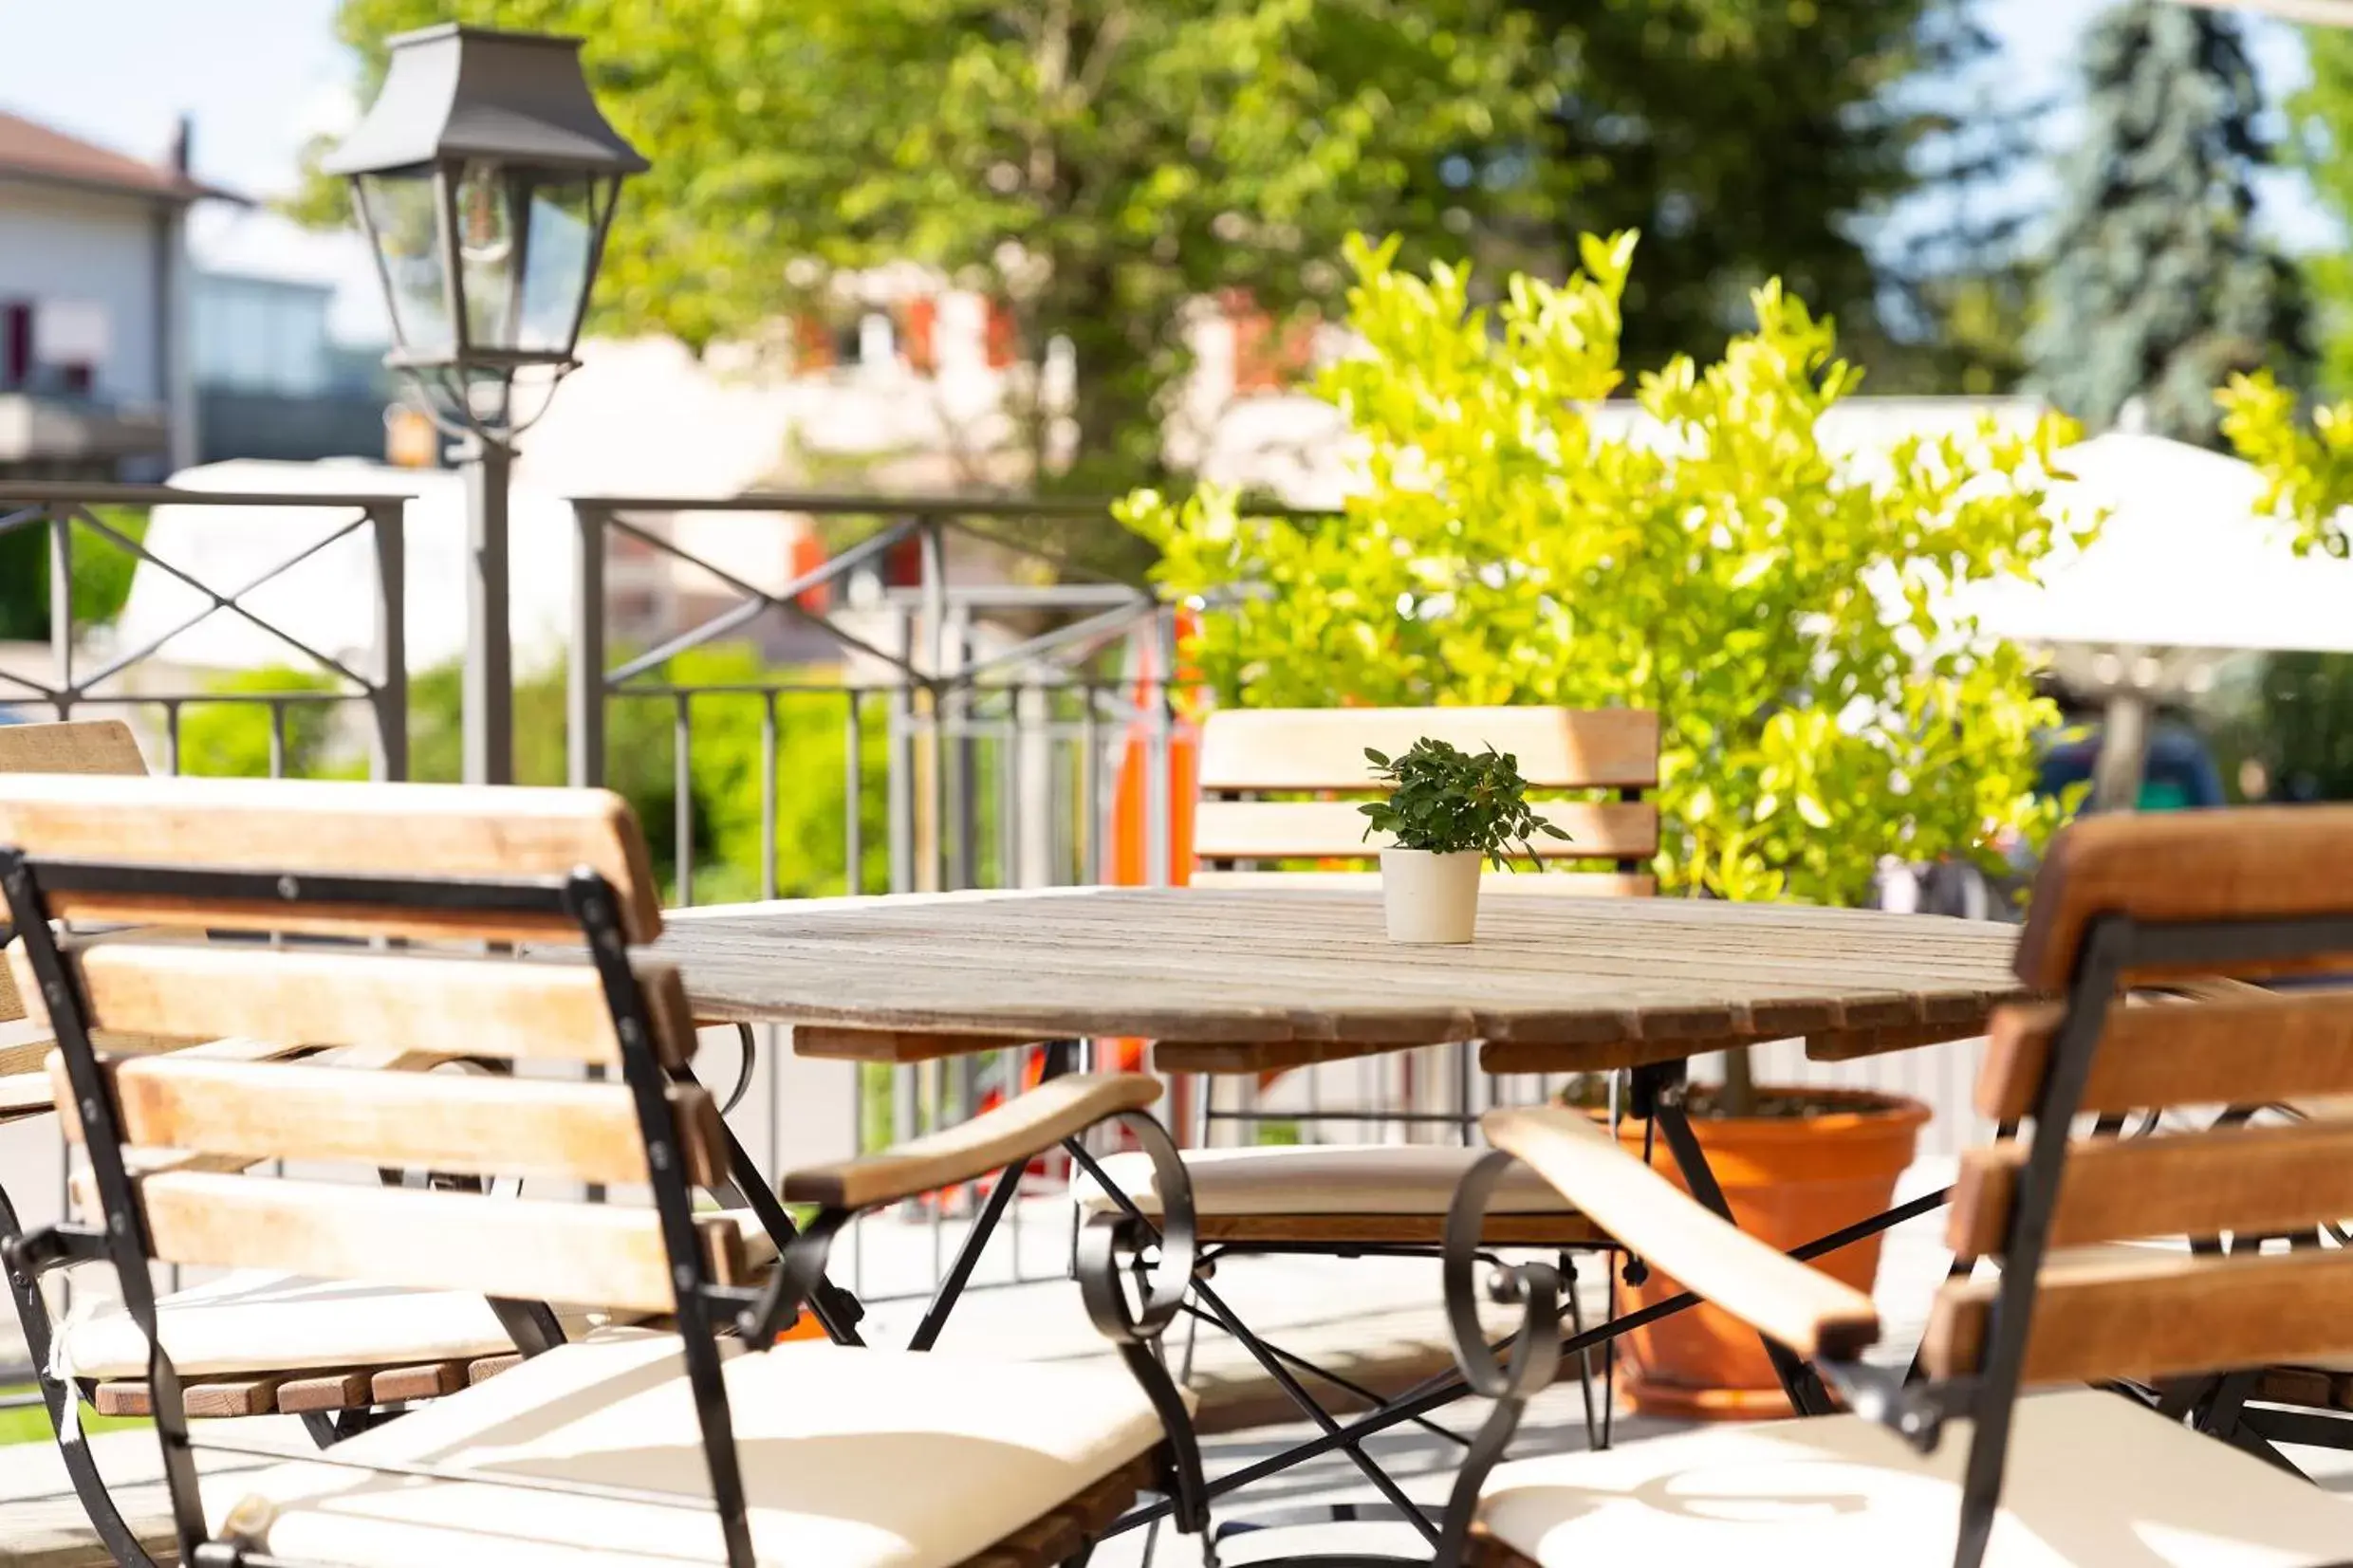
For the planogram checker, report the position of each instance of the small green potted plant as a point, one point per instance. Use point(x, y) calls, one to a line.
point(1447, 811)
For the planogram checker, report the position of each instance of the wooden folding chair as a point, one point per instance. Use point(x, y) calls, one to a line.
point(1968, 1462)
point(252, 1342)
point(703, 1442)
point(1280, 788)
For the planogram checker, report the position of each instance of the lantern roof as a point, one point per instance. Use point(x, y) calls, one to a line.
point(456, 93)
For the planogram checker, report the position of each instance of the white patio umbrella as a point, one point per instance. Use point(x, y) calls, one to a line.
point(2184, 560)
point(2185, 572)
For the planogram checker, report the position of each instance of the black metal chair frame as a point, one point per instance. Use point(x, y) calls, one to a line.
point(1657, 1094)
point(1902, 1399)
point(704, 1307)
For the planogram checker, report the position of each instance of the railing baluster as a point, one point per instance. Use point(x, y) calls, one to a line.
point(1160, 837)
point(61, 607)
point(682, 784)
point(768, 795)
point(899, 717)
point(853, 797)
point(388, 753)
point(585, 690)
point(1012, 808)
point(1091, 786)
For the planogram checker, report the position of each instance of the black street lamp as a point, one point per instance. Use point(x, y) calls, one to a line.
point(485, 178)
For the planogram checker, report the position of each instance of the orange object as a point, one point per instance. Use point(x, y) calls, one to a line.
point(918, 329)
point(812, 342)
point(807, 1328)
point(1267, 356)
point(808, 554)
point(1788, 1179)
point(1001, 335)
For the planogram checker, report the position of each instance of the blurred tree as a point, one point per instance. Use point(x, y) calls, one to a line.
point(1752, 141)
point(2159, 287)
point(1097, 166)
point(2305, 707)
point(2323, 116)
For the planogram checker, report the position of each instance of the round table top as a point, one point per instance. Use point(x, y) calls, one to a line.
point(1276, 965)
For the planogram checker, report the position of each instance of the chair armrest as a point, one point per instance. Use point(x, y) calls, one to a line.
point(1029, 1124)
point(1773, 1293)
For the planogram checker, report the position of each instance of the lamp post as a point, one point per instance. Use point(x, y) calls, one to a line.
point(485, 178)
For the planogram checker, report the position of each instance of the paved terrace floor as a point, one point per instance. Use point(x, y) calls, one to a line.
point(1372, 1318)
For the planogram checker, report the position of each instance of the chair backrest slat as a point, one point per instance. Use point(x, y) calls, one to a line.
point(451, 1123)
point(84, 746)
point(2174, 1313)
point(2223, 896)
point(1552, 884)
point(2258, 1180)
point(292, 827)
point(594, 1254)
point(1255, 830)
point(2275, 1046)
point(1284, 748)
point(460, 1006)
point(2252, 862)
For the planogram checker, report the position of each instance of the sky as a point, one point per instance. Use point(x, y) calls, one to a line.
point(259, 78)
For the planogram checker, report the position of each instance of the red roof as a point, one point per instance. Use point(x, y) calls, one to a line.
point(34, 152)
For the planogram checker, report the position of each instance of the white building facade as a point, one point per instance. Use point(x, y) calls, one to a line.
point(95, 375)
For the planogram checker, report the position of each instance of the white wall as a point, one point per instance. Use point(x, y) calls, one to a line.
point(59, 245)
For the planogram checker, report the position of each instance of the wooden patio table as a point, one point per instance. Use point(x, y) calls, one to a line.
point(1234, 980)
point(1249, 980)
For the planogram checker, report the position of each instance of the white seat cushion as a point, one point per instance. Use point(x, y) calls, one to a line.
point(851, 1459)
point(2092, 1482)
point(255, 1320)
point(1324, 1179)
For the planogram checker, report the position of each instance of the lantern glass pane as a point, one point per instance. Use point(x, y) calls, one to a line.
point(486, 252)
point(404, 214)
point(560, 241)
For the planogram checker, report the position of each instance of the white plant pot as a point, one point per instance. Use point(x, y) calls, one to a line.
point(1430, 898)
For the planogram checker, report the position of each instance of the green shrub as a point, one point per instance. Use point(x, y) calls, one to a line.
point(102, 574)
point(233, 739)
point(1775, 603)
point(230, 740)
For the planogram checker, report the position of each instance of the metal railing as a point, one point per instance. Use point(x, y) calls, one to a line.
point(68, 512)
point(979, 726)
point(974, 733)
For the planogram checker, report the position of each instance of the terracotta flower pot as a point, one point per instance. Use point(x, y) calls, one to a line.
point(1788, 1179)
